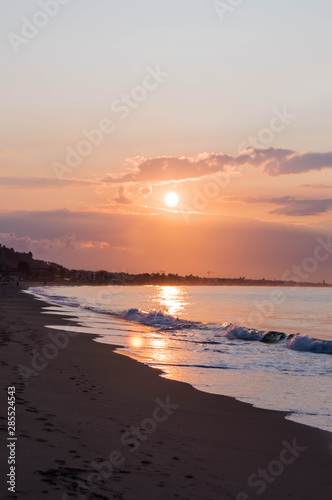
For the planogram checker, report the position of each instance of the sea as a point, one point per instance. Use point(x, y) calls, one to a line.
point(218, 339)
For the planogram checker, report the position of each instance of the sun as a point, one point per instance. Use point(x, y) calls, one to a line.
point(171, 199)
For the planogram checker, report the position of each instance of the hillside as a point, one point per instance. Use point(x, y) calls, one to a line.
point(10, 259)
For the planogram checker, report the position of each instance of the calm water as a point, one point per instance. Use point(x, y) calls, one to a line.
point(211, 337)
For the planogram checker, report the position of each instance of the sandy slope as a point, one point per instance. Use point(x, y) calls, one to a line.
point(96, 424)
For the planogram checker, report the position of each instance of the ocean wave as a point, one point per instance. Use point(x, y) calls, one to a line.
point(231, 331)
point(157, 319)
point(296, 342)
point(209, 367)
point(163, 321)
point(306, 343)
point(235, 331)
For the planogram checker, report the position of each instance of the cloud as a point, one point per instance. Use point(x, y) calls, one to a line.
point(302, 208)
point(44, 183)
point(122, 196)
point(284, 161)
point(145, 191)
point(65, 243)
point(294, 207)
point(171, 168)
point(273, 161)
point(316, 186)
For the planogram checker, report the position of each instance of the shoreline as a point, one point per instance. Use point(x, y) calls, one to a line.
point(79, 411)
point(263, 388)
point(28, 284)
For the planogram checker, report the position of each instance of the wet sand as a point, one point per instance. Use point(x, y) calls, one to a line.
point(92, 423)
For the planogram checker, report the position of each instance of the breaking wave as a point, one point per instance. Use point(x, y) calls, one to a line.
point(306, 343)
point(157, 319)
point(231, 331)
point(234, 331)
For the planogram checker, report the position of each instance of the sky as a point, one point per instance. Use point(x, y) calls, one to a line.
point(108, 106)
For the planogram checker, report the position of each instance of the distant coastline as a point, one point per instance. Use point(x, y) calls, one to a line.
point(228, 283)
point(22, 267)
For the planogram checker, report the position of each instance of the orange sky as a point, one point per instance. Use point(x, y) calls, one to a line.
point(104, 114)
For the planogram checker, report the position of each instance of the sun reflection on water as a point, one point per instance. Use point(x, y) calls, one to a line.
point(171, 299)
point(157, 347)
point(135, 341)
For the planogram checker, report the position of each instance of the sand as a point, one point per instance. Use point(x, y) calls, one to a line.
point(92, 423)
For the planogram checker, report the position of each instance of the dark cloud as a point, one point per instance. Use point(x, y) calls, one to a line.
point(273, 161)
point(316, 186)
point(167, 168)
point(301, 208)
point(284, 161)
point(122, 196)
point(44, 183)
point(65, 243)
point(294, 207)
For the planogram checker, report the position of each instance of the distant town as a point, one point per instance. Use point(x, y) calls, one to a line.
point(21, 266)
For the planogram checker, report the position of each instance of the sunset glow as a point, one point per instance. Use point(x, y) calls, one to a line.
point(185, 154)
point(166, 195)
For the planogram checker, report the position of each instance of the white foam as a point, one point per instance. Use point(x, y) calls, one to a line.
point(306, 343)
point(235, 331)
point(156, 318)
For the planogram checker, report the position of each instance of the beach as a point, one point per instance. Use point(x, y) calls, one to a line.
point(93, 423)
